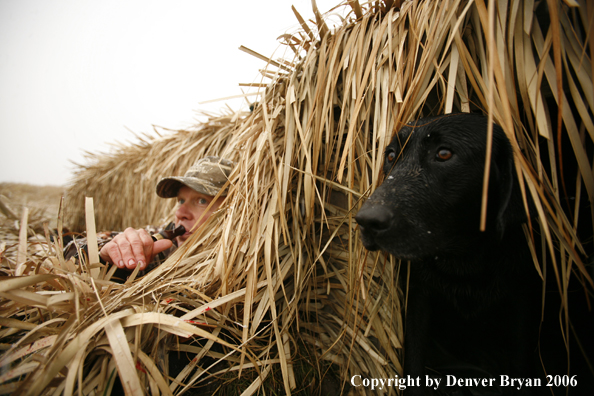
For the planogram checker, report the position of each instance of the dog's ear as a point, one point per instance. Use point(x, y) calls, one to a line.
point(509, 208)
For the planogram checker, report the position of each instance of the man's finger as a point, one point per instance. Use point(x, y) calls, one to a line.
point(147, 246)
point(111, 253)
point(132, 248)
point(161, 246)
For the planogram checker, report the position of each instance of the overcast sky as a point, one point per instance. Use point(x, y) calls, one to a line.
point(77, 74)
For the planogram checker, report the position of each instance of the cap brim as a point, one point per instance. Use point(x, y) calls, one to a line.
point(168, 187)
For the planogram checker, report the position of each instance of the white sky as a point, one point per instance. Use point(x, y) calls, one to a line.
point(78, 74)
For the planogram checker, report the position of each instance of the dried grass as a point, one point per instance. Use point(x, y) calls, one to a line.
point(280, 264)
point(122, 182)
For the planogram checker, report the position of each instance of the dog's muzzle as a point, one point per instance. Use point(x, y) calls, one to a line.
point(373, 220)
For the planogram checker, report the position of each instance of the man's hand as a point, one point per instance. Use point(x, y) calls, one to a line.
point(133, 247)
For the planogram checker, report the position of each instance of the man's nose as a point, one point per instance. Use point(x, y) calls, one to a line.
point(182, 212)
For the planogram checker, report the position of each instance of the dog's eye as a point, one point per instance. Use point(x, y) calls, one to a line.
point(391, 157)
point(443, 155)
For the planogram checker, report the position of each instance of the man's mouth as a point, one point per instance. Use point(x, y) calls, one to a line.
point(187, 234)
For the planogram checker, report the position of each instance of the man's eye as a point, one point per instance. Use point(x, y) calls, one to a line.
point(180, 201)
point(202, 201)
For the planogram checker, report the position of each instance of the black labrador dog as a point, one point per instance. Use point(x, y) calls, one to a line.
point(473, 295)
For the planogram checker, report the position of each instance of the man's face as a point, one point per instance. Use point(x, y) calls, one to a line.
point(191, 206)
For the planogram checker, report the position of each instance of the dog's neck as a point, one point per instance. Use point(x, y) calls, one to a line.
point(473, 277)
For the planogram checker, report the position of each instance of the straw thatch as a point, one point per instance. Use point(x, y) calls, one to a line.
point(278, 273)
point(122, 182)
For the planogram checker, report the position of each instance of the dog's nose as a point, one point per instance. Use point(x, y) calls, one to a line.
point(374, 218)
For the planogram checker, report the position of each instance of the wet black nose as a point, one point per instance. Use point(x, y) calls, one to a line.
point(374, 218)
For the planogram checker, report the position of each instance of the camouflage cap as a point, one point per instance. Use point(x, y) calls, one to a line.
point(207, 176)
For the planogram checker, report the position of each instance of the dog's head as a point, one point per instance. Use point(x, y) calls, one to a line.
point(429, 203)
